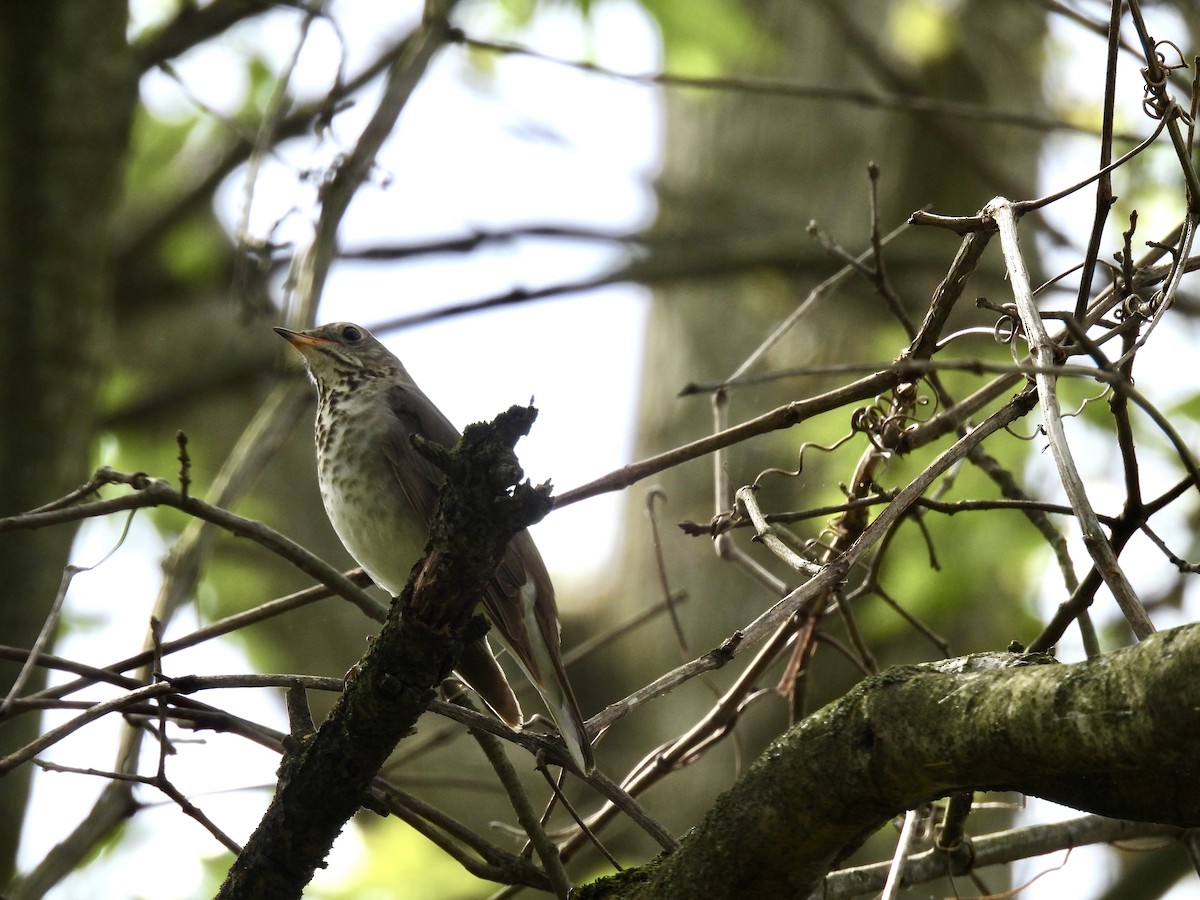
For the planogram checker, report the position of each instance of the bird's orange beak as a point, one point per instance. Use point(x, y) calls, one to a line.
point(301, 340)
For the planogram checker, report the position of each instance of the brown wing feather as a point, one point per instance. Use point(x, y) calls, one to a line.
point(418, 477)
point(420, 480)
point(502, 602)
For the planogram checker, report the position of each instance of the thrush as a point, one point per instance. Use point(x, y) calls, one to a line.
point(380, 495)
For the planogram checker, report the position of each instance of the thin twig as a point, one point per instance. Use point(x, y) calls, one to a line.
point(403, 75)
point(1043, 352)
point(908, 102)
point(1104, 193)
point(151, 492)
point(990, 850)
point(891, 887)
point(526, 814)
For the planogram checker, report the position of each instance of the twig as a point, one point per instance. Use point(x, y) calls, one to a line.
point(909, 102)
point(660, 564)
point(903, 847)
point(779, 418)
point(1043, 353)
point(481, 236)
point(52, 615)
point(1104, 194)
point(224, 626)
point(98, 710)
point(589, 646)
point(438, 827)
point(157, 492)
point(193, 25)
point(200, 187)
point(805, 306)
point(402, 78)
point(764, 533)
point(990, 850)
point(526, 814)
point(723, 543)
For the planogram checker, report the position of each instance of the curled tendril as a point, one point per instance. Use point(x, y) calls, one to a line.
point(822, 543)
point(1155, 102)
point(1039, 431)
point(807, 445)
point(885, 422)
point(867, 419)
point(1086, 401)
point(1136, 305)
point(1008, 327)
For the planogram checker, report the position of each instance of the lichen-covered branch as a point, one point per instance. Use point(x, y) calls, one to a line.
point(1119, 736)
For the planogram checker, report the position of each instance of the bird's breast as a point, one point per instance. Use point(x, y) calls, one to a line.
point(363, 499)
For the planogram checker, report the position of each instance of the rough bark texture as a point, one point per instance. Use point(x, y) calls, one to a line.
point(67, 93)
point(1119, 736)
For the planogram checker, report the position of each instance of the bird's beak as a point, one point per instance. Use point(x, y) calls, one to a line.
point(303, 341)
point(299, 339)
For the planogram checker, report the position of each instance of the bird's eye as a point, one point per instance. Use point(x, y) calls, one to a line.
point(351, 334)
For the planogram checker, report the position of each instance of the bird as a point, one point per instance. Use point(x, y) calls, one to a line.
point(380, 495)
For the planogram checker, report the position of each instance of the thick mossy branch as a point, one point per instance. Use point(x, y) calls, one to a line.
point(324, 781)
point(1119, 735)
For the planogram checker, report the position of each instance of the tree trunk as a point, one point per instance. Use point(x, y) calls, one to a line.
point(67, 93)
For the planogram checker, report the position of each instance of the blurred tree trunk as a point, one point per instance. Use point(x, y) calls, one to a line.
point(67, 93)
point(750, 171)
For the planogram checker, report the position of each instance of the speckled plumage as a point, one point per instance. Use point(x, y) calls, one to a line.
point(380, 495)
point(351, 429)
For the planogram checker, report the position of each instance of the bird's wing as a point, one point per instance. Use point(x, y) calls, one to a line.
point(419, 478)
point(524, 616)
point(479, 669)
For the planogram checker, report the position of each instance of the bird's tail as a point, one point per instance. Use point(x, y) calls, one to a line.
point(564, 709)
point(479, 669)
point(543, 666)
point(520, 603)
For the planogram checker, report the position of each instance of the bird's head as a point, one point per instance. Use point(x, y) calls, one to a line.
point(342, 351)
